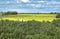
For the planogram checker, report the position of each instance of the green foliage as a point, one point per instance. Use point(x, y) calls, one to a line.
point(10, 13)
point(29, 30)
point(58, 15)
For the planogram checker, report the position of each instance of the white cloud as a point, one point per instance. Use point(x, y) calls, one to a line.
point(5, 2)
point(33, 4)
point(36, 4)
point(25, 1)
point(45, 4)
point(19, 10)
point(17, 1)
point(41, 1)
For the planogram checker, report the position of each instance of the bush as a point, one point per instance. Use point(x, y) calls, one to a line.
point(58, 16)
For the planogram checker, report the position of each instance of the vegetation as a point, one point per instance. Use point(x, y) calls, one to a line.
point(35, 26)
point(10, 13)
point(58, 15)
point(29, 30)
point(29, 17)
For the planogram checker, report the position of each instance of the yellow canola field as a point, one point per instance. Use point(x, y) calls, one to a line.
point(28, 17)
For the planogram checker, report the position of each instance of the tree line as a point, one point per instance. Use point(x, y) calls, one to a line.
point(15, 13)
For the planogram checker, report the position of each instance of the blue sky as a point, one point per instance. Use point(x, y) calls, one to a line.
point(30, 6)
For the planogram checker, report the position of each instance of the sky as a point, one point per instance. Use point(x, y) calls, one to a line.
point(30, 6)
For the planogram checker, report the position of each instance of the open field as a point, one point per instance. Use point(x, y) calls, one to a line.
point(29, 29)
point(11, 26)
point(27, 17)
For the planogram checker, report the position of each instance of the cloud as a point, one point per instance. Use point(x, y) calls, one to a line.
point(42, 1)
point(34, 4)
point(19, 10)
point(45, 4)
point(17, 1)
point(25, 1)
point(5, 2)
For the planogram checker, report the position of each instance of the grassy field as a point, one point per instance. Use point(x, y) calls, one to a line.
point(27, 17)
point(12, 28)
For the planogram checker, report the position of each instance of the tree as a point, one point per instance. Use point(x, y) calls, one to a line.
point(58, 16)
point(10, 13)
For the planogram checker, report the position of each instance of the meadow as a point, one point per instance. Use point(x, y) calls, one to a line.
point(29, 17)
